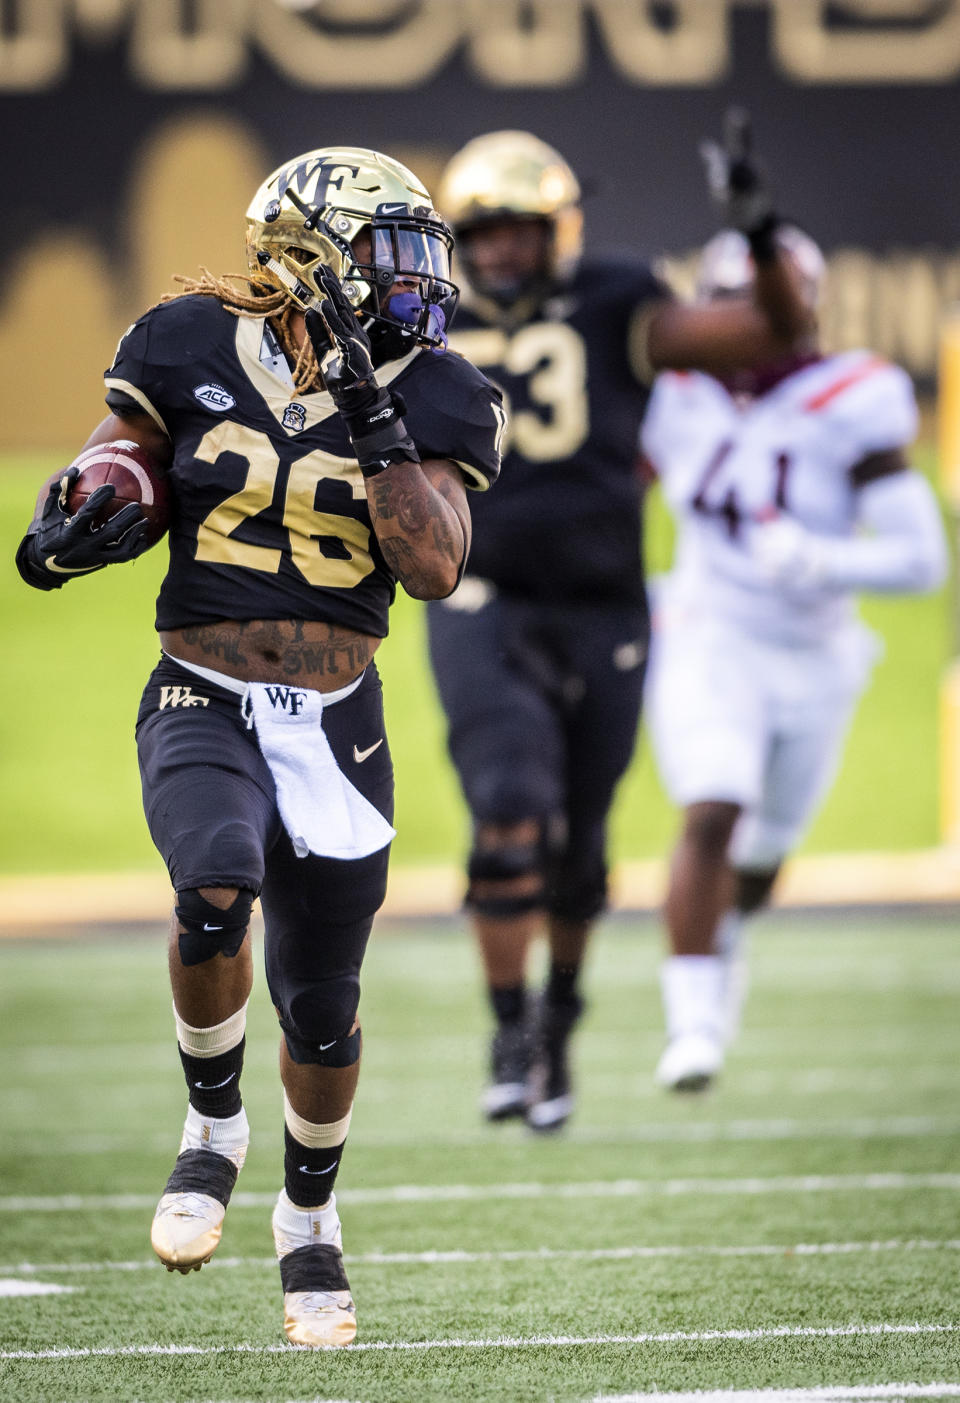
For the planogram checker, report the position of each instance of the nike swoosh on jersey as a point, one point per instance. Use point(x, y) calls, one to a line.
point(361, 755)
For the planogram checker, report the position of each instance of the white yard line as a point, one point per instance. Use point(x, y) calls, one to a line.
point(662, 1132)
point(32, 1288)
point(836, 1392)
point(537, 1254)
point(500, 1342)
point(447, 1193)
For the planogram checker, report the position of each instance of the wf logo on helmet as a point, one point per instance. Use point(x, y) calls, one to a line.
point(320, 177)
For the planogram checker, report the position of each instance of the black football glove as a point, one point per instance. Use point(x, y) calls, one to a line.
point(372, 415)
point(341, 344)
point(738, 183)
point(61, 545)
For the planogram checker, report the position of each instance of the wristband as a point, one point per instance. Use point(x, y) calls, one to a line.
point(763, 240)
point(377, 431)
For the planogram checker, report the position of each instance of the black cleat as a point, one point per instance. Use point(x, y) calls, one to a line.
point(549, 1089)
point(510, 1053)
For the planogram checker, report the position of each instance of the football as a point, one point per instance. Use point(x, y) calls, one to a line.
point(127, 468)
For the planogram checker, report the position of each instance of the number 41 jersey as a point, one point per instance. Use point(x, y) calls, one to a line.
point(269, 512)
point(804, 449)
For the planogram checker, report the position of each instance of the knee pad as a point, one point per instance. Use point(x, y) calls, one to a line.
point(579, 894)
point(753, 888)
point(504, 864)
point(317, 1019)
point(211, 930)
point(339, 1052)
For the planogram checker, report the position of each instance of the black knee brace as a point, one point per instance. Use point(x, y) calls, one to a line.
point(339, 1052)
point(578, 895)
point(211, 930)
point(505, 864)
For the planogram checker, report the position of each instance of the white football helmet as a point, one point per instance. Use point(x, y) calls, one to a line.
point(727, 268)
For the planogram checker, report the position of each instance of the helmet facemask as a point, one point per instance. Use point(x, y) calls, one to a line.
point(520, 283)
point(409, 248)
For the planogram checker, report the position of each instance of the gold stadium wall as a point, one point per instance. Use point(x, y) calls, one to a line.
point(69, 302)
point(137, 130)
point(360, 44)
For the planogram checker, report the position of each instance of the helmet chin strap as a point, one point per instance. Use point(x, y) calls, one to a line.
point(298, 290)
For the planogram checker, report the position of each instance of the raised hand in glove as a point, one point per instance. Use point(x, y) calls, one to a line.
point(737, 181)
point(63, 545)
point(372, 415)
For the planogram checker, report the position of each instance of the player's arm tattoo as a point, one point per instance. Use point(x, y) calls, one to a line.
point(422, 522)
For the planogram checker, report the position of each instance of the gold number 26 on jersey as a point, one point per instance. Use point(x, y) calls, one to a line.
point(215, 539)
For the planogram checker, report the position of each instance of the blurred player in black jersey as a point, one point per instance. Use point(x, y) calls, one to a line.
point(317, 443)
point(539, 655)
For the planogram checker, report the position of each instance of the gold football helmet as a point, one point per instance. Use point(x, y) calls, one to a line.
point(310, 210)
point(513, 174)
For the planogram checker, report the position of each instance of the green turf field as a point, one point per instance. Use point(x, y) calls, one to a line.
point(75, 661)
point(796, 1228)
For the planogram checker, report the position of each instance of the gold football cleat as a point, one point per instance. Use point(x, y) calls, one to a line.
point(189, 1218)
point(186, 1230)
point(318, 1309)
point(319, 1318)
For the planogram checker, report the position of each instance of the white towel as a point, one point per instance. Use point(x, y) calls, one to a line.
point(321, 810)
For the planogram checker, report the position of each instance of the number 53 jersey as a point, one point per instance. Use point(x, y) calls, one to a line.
point(564, 523)
point(269, 510)
point(728, 465)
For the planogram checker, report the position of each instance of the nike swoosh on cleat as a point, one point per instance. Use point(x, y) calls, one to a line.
point(208, 927)
point(305, 1170)
point(213, 1086)
point(361, 755)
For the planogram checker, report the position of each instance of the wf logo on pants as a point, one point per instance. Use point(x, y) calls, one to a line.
point(180, 696)
point(286, 699)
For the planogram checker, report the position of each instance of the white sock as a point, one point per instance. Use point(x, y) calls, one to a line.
point(228, 1137)
point(295, 1227)
point(730, 943)
point(692, 988)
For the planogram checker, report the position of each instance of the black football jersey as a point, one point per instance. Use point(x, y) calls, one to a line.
point(564, 522)
point(269, 514)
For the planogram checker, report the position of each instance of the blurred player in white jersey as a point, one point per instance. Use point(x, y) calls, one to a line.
point(791, 490)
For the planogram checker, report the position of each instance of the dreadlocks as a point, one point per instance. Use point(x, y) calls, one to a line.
point(256, 299)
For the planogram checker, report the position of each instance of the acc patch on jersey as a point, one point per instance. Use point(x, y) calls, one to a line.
point(294, 417)
point(215, 397)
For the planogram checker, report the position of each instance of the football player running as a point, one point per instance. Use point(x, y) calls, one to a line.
point(539, 655)
point(791, 490)
point(317, 444)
